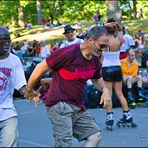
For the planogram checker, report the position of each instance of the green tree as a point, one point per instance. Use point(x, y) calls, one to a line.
point(39, 12)
point(113, 10)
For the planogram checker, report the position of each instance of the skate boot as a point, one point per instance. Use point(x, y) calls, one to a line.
point(131, 100)
point(143, 98)
point(126, 121)
point(109, 121)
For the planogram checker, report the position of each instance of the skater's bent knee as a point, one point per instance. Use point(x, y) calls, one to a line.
point(95, 137)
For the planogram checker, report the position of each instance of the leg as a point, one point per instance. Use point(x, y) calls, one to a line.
point(141, 96)
point(109, 85)
point(85, 128)
point(9, 132)
point(109, 116)
point(129, 81)
point(60, 116)
point(139, 81)
point(93, 140)
point(118, 91)
point(127, 117)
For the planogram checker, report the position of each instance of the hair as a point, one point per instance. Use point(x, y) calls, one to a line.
point(128, 51)
point(96, 32)
point(111, 30)
point(123, 30)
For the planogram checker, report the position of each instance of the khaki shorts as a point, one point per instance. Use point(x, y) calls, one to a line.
point(68, 120)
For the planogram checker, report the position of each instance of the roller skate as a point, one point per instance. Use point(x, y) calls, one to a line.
point(126, 121)
point(131, 100)
point(143, 98)
point(109, 121)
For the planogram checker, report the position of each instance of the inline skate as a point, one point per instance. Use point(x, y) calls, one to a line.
point(126, 121)
point(131, 100)
point(109, 121)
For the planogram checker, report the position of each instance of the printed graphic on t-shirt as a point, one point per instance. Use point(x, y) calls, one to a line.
point(79, 73)
point(4, 74)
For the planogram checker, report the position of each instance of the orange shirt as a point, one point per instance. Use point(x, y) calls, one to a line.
point(131, 69)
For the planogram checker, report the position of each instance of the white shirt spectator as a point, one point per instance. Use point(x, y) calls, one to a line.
point(45, 51)
point(128, 42)
point(76, 40)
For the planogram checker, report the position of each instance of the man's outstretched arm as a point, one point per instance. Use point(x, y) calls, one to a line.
point(39, 70)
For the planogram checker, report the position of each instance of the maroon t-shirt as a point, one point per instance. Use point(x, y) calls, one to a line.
point(71, 71)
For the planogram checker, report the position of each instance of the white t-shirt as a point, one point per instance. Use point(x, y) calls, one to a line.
point(76, 40)
point(128, 41)
point(11, 76)
point(45, 51)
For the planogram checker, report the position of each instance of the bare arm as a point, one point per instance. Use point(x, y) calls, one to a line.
point(39, 70)
point(99, 84)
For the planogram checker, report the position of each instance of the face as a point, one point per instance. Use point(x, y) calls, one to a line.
point(5, 41)
point(131, 55)
point(70, 35)
point(98, 45)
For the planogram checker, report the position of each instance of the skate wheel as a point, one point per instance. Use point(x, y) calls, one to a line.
point(109, 128)
point(118, 124)
point(134, 125)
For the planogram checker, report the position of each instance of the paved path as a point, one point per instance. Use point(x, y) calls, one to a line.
point(35, 129)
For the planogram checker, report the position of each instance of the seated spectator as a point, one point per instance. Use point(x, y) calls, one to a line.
point(43, 22)
point(37, 46)
point(54, 46)
point(45, 84)
point(30, 50)
point(29, 25)
point(130, 75)
point(45, 51)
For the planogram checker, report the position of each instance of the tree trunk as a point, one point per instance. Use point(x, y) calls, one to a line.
point(113, 10)
point(135, 8)
point(39, 12)
point(21, 17)
point(130, 11)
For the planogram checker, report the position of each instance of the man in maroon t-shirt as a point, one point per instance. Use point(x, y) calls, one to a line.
point(73, 66)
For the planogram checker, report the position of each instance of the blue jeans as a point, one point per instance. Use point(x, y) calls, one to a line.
point(9, 132)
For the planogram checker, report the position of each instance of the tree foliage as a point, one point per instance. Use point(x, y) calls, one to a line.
point(66, 10)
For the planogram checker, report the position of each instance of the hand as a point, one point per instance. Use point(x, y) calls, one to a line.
point(36, 99)
point(32, 95)
point(106, 98)
point(29, 93)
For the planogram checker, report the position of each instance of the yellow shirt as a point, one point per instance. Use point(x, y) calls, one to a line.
point(128, 70)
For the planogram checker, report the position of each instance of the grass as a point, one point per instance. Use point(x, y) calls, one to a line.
point(55, 33)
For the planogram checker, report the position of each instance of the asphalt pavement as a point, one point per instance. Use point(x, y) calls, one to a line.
point(35, 129)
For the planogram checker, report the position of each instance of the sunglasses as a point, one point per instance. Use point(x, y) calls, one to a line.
point(4, 40)
point(103, 46)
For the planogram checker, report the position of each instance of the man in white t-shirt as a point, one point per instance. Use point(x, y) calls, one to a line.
point(45, 51)
point(70, 37)
point(128, 42)
point(11, 77)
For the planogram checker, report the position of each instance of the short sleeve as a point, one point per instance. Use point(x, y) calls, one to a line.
point(131, 41)
point(58, 59)
point(20, 79)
